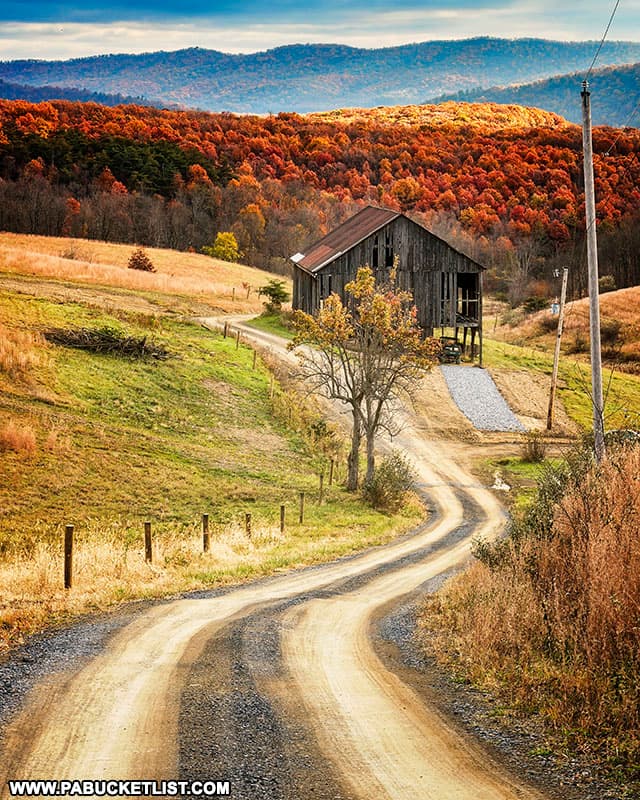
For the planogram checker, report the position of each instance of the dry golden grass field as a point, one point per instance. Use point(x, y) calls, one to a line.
point(620, 328)
point(218, 284)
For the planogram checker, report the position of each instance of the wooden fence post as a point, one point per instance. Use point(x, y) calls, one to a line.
point(331, 466)
point(255, 356)
point(247, 524)
point(301, 507)
point(68, 556)
point(237, 340)
point(282, 510)
point(233, 293)
point(226, 329)
point(321, 492)
point(148, 550)
point(205, 533)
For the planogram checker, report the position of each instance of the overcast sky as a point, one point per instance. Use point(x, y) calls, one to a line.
point(54, 29)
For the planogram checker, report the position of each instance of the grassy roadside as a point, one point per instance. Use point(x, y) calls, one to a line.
point(271, 323)
point(106, 442)
point(546, 620)
point(622, 390)
point(522, 476)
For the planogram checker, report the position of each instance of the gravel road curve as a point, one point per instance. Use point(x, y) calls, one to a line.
point(275, 685)
point(476, 395)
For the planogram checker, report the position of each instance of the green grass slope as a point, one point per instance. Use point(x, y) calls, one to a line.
point(106, 442)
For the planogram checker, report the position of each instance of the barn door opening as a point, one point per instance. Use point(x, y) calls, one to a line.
point(447, 306)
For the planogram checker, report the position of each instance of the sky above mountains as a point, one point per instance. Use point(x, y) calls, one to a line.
point(54, 29)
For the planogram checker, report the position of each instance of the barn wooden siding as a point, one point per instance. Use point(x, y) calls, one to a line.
point(440, 278)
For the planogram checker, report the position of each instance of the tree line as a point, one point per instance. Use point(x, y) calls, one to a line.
point(503, 184)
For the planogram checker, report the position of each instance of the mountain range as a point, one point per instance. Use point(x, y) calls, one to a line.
point(315, 77)
point(40, 94)
point(615, 92)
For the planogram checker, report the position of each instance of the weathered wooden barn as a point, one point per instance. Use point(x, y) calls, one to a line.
point(446, 284)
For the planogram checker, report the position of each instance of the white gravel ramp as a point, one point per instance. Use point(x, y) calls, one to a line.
point(476, 395)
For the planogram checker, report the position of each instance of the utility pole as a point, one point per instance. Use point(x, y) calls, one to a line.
point(592, 260)
point(556, 356)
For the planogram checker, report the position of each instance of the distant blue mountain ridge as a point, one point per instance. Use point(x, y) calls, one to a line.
point(316, 77)
point(39, 94)
point(615, 95)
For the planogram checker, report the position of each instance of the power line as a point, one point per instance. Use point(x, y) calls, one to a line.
point(595, 58)
point(623, 130)
point(626, 171)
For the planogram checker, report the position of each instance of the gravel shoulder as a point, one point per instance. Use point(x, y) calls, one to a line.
point(475, 393)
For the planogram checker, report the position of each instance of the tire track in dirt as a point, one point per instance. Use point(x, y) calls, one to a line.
point(98, 723)
point(386, 741)
point(118, 716)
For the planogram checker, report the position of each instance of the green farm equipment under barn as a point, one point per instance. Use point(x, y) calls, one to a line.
point(451, 350)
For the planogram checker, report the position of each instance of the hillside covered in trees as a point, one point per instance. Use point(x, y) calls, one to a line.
point(614, 95)
point(313, 77)
point(503, 183)
point(38, 94)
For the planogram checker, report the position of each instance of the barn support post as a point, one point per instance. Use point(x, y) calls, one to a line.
point(481, 329)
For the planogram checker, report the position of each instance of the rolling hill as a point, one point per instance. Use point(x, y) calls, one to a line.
point(614, 95)
point(317, 77)
point(39, 94)
point(108, 440)
point(620, 330)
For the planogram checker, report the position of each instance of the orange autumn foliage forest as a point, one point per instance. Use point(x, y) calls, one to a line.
point(496, 172)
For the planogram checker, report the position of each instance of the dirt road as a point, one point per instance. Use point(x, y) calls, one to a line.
point(275, 686)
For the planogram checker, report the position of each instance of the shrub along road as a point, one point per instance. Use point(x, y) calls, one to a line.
point(274, 686)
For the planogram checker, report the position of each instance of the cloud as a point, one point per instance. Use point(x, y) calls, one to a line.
point(261, 11)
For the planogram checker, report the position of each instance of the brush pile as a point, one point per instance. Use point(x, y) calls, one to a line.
point(107, 340)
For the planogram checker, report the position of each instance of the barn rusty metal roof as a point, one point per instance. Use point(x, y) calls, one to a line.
point(345, 236)
point(367, 221)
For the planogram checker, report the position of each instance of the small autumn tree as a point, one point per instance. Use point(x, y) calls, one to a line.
point(225, 247)
point(367, 354)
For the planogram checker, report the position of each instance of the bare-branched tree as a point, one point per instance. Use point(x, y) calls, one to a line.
point(368, 354)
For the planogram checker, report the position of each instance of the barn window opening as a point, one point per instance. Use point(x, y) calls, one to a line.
point(388, 250)
point(374, 259)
